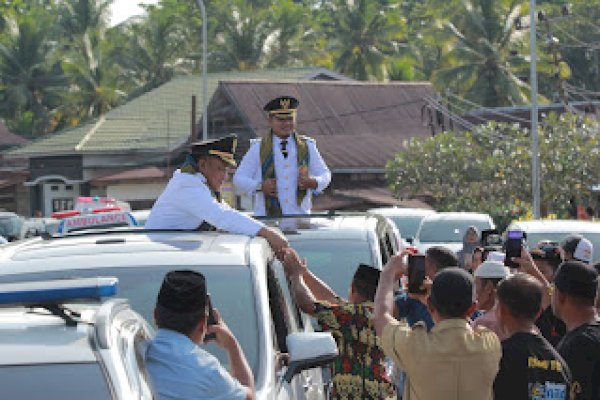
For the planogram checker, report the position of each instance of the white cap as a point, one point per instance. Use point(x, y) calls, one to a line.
point(583, 251)
point(495, 256)
point(492, 269)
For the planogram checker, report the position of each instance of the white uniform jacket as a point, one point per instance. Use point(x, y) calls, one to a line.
point(187, 201)
point(248, 177)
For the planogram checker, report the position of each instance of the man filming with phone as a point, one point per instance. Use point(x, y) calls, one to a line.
point(178, 367)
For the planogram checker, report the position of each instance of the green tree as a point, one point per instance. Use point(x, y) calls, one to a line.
point(244, 26)
point(489, 169)
point(30, 74)
point(293, 36)
point(485, 59)
point(361, 35)
point(94, 78)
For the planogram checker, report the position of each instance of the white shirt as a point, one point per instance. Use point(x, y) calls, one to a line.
point(187, 201)
point(248, 176)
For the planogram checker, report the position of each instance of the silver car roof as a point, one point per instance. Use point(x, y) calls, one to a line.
point(116, 249)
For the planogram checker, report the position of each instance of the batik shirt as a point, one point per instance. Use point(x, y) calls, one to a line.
point(359, 372)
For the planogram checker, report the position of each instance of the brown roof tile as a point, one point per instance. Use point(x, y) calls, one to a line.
point(356, 124)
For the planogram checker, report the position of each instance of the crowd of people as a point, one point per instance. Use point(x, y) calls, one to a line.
point(468, 328)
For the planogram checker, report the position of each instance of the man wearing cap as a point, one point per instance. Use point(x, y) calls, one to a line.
point(453, 361)
point(487, 277)
point(573, 301)
point(191, 199)
point(530, 367)
point(576, 247)
point(177, 366)
point(359, 372)
point(283, 169)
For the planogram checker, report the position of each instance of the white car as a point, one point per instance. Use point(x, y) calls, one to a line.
point(62, 340)
point(557, 229)
point(407, 220)
point(448, 229)
point(246, 283)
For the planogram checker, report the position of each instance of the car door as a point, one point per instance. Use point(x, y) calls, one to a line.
point(287, 319)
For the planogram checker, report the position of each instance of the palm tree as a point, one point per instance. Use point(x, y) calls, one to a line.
point(94, 78)
point(153, 49)
point(293, 39)
point(362, 34)
point(483, 61)
point(30, 75)
point(244, 26)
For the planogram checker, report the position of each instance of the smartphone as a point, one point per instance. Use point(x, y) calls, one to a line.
point(513, 247)
point(416, 273)
point(210, 320)
point(484, 235)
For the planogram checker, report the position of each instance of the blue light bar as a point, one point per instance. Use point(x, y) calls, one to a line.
point(57, 291)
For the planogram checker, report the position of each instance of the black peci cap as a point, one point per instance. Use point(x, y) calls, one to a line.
point(224, 148)
point(282, 106)
point(183, 292)
point(367, 274)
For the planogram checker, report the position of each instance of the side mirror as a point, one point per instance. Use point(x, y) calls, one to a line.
point(309, 350)
point(409, 240)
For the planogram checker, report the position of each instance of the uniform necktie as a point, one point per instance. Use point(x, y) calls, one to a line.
point(284, 148)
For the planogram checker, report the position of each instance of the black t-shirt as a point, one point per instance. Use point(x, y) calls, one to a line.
point(551, 328)
point(581, 350)
point(530, 368)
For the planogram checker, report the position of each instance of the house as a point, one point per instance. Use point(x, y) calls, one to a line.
point(127, 153)
point(11, 184)
point(358, 127)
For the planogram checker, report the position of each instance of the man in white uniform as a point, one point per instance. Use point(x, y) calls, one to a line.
point(284, 169)
point(191, 199)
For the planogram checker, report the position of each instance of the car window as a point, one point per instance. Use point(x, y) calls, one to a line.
point(54, 381)
point(279, 310)
point(334, 261)
point(231, 291)
point(407, 224)
point(533, 238)
point(446, 230)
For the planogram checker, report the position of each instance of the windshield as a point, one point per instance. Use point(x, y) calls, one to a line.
point(407, 224)
point(141, 285)
point(448, 230)
point(334, 261)
point(47, 381)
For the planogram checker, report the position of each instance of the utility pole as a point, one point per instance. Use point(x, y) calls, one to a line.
point(204, 72)
point(535, 163)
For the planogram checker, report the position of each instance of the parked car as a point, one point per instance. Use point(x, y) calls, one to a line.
point(448, 228)
point(407, 220)
point(247, 285)
point(556, 229)
point(68, 350)
point(335, 244)
point(15, 227)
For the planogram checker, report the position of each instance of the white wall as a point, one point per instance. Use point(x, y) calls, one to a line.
point(138, 191)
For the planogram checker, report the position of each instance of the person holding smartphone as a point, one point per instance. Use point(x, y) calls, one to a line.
point(177, 366)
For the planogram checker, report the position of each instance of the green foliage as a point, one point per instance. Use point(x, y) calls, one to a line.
point(362, 34)
point(489, 169)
